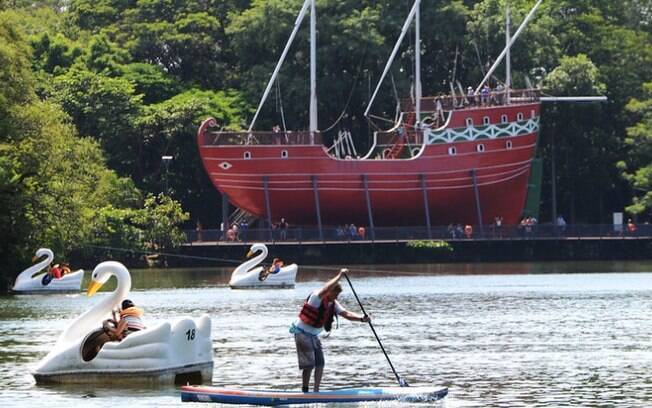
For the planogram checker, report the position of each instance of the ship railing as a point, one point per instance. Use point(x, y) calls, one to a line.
point(406, 135)
point(457, 102)
point(449, 233)
point(221, 138)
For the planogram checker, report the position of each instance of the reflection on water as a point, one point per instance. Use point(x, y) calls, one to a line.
point(498, 335)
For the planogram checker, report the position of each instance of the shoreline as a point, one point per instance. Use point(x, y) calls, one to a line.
point(405, 252)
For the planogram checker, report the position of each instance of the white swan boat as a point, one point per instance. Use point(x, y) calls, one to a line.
point(248, 274)
point(178, 352)
point(33, 279)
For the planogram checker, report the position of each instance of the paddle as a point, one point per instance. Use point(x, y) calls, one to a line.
point(400, 380)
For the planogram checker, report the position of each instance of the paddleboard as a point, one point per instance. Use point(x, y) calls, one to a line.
point(194, 393)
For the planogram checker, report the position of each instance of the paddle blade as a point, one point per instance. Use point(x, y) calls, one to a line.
point(402, 382)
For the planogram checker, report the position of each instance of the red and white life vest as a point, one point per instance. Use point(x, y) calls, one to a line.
point(317, 316)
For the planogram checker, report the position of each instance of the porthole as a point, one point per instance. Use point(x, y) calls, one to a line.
point(452, 151)
point(485, 120)
point(247, 155)
point(519, 116)
point(284, 154)
point(503, 119)
point(480, 148)
point(508, 144)
point(469, 122)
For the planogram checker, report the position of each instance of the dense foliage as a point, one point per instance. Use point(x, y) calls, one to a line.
point(95, 92)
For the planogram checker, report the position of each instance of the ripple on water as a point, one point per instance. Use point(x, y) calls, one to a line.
point(495, 341)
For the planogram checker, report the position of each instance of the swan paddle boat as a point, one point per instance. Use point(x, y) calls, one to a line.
point(178, 352)
point(36, 279)
point(271, 397)
point(251, 275)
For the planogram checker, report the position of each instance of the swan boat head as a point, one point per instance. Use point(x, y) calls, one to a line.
point(44, 252)
point(257, 247)
point(103, 272)
point(250, 266)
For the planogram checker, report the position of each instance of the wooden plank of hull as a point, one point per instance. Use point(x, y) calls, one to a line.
point(395, 189)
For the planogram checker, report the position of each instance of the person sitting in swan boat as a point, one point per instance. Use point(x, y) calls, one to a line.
point(114, 329)
point(129, 321)
point(56, 272)
point(275, 268)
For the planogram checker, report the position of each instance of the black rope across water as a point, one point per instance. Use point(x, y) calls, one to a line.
point(239, 261)
point(167, 254)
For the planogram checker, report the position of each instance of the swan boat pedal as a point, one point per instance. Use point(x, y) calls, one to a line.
point(178, 352)
point(247, 275)
point(32, 279)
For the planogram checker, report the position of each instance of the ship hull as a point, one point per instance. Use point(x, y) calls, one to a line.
point(457, 181)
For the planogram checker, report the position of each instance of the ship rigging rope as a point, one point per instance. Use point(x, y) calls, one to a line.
point(355, 84)
point(239, 261)
point(279, 101)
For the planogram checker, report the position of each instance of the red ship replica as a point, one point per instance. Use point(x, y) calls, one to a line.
point(439, 173)
point(464, 158)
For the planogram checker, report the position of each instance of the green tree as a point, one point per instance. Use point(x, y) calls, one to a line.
point(15, 72)
point(581, 150)
point(151, 81)
point(169, 128)
point(638, 167)
point(106, 109)
point(159, 220)
point(55, 187)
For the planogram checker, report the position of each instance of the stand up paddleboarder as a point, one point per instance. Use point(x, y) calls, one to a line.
point(317, 315)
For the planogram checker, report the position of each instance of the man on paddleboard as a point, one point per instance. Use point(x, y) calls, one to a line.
point(317, 315)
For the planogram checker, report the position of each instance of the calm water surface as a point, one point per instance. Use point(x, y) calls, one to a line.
point(498, 335)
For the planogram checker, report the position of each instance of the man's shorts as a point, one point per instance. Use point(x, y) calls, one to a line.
point(309, 351)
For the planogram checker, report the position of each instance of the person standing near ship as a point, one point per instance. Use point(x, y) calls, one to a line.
point(283, 227)
point(317, 315)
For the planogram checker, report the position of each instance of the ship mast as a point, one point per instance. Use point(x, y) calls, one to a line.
point(417, 62)
point(313, 71)
point(508, 57)
point(406, 26)
point(313, 62)
point(509, 45)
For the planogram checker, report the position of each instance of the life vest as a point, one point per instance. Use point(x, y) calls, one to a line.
point(56, 272)
point(317, 317)
point(132, 316)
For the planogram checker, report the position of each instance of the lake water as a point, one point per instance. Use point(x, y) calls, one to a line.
point(498, 335)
